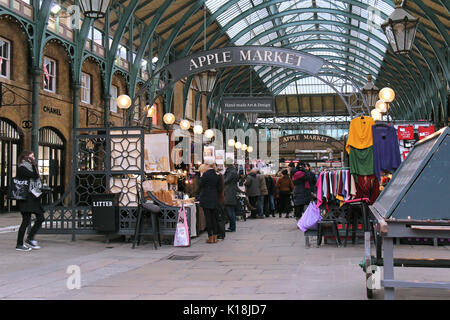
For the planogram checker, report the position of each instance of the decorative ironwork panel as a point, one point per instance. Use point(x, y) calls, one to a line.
point(104, 160)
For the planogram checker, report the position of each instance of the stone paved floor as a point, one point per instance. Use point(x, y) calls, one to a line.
point(264, 259)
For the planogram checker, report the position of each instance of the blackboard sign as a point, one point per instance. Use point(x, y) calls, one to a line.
point(406, 174)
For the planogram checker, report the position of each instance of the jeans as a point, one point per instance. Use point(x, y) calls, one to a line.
point(231, 210)
point(272, 202)
point(26, 219)
point(261, 206)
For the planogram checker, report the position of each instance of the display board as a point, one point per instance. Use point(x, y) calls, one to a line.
point(156, 153)
point(417, 189)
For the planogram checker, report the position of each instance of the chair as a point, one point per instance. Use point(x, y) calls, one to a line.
point(353, 219)
point(329, 220)
point(147, 210)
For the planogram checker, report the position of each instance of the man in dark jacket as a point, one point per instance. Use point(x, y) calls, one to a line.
point(252, 189)
point(210, 187)
point(231, 180)
point(269, 205)
point(311, 177)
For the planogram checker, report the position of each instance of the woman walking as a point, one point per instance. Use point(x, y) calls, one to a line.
point(285, 186)
point(28, 169)
point(210, 187)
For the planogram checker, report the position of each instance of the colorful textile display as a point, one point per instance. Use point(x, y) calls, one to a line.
point(361, 161)
point(386, 150)
point(360, 133)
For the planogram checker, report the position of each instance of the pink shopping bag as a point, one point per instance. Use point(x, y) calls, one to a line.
point(181, 238)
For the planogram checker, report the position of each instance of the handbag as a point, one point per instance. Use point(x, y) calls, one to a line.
point(181, 238)
point(310, 218)
point(19, 189)
point(36, 187)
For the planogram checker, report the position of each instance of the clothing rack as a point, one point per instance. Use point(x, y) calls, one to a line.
point(337, 169)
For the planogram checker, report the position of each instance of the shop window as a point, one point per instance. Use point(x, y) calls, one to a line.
point(49, 74)
point(51, 162)
point(4, 58)
point(113, 103)
point(10, 147)
point(96, 36)
point(85, 88)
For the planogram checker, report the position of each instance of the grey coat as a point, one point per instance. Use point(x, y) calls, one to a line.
point(252, 185)
point(262, 185)
point(231, 188)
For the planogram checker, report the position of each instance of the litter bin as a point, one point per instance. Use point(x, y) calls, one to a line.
point(105, 212)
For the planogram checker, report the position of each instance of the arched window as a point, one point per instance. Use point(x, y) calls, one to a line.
point(51, 161)
point(10, 148)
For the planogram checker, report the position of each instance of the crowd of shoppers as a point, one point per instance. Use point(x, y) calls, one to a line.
point(223, 197)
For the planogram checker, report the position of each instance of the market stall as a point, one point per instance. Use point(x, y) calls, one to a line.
point(413, 204)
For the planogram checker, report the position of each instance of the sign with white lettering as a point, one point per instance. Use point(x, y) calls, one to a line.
point(245, 55)
point(247, 104)
point(306, 138)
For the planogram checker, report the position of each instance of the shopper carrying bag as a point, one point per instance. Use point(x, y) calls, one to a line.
point(310, 218)
point(28, 170)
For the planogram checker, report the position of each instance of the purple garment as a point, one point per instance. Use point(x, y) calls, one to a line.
point(386, 151)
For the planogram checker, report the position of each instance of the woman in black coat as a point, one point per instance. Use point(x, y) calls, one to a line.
point(231, 180)
point(28, 169)
point(302, 191)
point(210, 187)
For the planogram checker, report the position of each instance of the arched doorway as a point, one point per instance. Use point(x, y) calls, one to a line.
point(51, 161)
point(10, 148)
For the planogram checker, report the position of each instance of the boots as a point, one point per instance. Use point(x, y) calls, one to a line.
point(212, 239)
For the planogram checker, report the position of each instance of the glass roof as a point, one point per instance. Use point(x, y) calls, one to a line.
point(346, 34)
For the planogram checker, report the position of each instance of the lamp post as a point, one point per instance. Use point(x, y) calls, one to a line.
point(400, 29)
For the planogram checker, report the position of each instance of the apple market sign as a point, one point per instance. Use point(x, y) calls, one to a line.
point(245, 55)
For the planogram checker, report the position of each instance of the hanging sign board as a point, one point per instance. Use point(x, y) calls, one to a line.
point(425, 131)
point(247, 104)
point(405, 133)
point(245, 55)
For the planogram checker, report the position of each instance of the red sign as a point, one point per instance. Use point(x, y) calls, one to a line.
point(404, 154)
point(405, 133)
point(425, 131)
